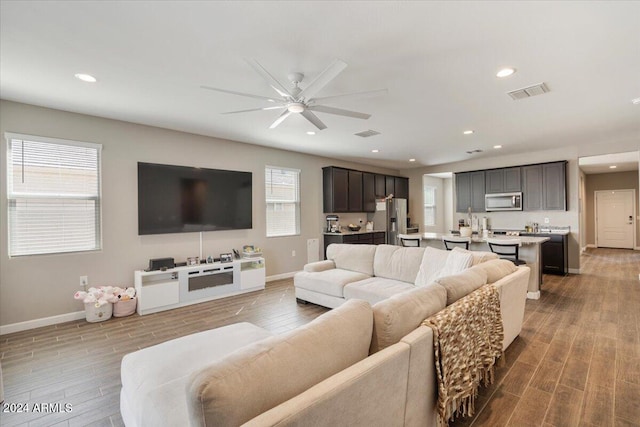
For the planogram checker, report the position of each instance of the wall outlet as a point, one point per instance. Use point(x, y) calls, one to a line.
point(546, 220)
point(84, 282)
point(293, 253)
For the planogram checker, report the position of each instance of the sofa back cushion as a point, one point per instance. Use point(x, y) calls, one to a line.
point(262, 375)
point(400, 314)
point(461, 284)
point(496, 269)
point(357, 258)
point(478, 256)
point(437, 263)
point(397, 262)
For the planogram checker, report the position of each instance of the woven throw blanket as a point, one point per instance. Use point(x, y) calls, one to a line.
point(467, 338)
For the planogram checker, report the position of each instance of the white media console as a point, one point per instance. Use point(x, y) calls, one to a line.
point(181, 286)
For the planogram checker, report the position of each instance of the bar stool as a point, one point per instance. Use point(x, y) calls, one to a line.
point(410, 240)
point(451, 242)
point(506, 249)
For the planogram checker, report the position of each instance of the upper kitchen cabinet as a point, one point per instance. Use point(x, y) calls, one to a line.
point(390, 185)
point(335, 189)
point(381, 186)
point(355, 191)
point(470, 190)
point(368, 192)
point(554, 186)
point(505, 180)
point(544, 187)
point(402, 188)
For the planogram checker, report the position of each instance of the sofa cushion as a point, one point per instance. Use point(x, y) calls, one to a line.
point(330, 282)
point(147, 373)
point(432, 262)
point(375, 289)
point(357, 258)
point(456, 262)
point(397, 262)
point(461, 284)
point(265, 374)
point(398, 315)
point(496, 269)
point(478, 256)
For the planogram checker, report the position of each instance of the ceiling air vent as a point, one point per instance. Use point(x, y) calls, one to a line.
point(367, 133)
point(474, 151)
point(528, 92)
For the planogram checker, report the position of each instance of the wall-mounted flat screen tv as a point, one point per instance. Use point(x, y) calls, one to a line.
point(178, 199)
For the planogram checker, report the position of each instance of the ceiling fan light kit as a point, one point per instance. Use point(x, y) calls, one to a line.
point(301, 101)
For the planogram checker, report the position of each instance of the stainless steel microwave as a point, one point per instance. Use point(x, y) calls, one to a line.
point(503, 202)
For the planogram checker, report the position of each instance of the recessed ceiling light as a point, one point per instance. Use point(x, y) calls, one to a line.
point(412, 160)
point(311, 132)
point(375, 151)
point(505, 72)
point(467, 132)
point(635, 101)
point(612, 167)
point(497, 146)
point(86, 78)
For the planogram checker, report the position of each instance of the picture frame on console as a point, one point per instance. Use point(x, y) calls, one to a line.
point(226, 257)
point(193, 260)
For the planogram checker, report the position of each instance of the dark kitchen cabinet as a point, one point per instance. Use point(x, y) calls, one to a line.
point(360, 238)
point(390, 185)
point(555, 255)
point(544, 187)
point(381, 188)
point(470, 190)
point(504, 180)
point(402, 189)
point(554, 193)
point(368, 192)
point(335, 189)
point(355, 191)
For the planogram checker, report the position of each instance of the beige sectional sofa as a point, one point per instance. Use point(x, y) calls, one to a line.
point(354, 365)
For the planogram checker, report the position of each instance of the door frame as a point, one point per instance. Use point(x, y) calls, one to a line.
point(633, 205)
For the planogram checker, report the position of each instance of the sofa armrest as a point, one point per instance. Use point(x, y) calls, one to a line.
point(315, 267)
point(513, 295)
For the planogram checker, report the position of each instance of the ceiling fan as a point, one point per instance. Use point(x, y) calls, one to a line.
point(301, 101)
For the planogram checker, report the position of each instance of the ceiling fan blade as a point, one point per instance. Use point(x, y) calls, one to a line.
point(354, 95)
point(321, 81)
point(233, 92)
point(255, 109)
point(280, 119)
point(313, 119)
point(339, 111)
point(275, 84)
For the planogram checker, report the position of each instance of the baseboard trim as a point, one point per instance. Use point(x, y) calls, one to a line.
point(574, 271)
point(38, 323)
point(280, 276)
point(533, 295)
point(591, 245)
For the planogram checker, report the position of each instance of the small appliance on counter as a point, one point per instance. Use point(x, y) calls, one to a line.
point(333, 226)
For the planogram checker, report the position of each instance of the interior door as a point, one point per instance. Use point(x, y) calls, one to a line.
point(615, 225)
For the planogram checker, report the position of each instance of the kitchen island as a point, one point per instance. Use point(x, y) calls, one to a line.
point(530, 252)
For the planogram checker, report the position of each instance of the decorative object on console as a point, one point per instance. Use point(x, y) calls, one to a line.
point(226, 257)
point(249, 251)
point(193, 260)
point(159, 263)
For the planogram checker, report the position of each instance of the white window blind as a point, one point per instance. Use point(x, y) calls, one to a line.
point(282, 194)
point(53, 192)
point(429, 205)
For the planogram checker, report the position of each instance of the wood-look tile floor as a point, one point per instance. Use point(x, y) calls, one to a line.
point(576, 362)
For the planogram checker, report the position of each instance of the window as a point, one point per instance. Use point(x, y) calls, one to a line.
point(429, 205)
point(282, 194)
point(53, 192)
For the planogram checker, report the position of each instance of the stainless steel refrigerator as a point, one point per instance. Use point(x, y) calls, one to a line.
point(393, 217)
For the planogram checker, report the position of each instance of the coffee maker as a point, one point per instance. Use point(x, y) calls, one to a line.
point(332, 224)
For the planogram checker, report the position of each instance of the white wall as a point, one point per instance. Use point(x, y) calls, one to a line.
point(36, 287)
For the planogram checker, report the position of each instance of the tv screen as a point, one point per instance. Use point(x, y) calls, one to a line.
point(178, 199)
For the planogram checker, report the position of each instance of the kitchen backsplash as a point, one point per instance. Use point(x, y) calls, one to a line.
point(518, 220)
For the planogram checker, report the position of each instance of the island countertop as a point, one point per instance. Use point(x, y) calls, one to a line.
point(526, 240)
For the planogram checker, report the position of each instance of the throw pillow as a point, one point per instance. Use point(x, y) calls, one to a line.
point(432, 262)
point(456, 262)
point(461, 284)
point(478, 256)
